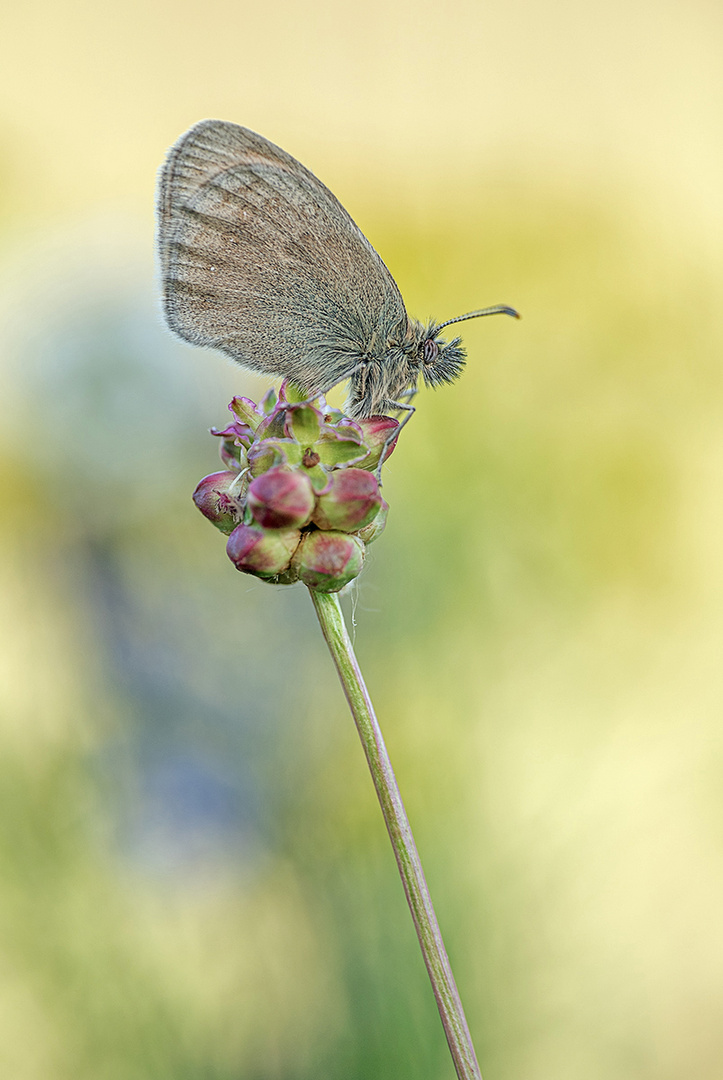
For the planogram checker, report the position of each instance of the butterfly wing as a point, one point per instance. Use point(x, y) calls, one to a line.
point(260, 260)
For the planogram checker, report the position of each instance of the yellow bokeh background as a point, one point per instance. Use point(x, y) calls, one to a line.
point(195, 881)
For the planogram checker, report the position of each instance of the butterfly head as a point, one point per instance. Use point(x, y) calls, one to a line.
point(439, 361)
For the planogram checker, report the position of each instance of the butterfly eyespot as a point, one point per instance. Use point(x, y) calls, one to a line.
point(430, 351)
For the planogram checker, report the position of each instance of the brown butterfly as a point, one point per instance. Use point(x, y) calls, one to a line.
point(261, 261)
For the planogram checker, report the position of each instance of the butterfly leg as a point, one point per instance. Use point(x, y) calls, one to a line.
point(397, 406)
point(409, 394)
point(325, 389)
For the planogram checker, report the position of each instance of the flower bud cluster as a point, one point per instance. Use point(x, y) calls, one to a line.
point(299, 498)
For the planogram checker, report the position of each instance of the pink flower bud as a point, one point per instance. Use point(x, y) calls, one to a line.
point(376, 527)
point(281, 498)
point(351, 501)
point(214, 501)
point(327, 561)
point(376, 430)
point(261, 552)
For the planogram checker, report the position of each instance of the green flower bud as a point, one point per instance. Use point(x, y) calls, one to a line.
point(300, 498)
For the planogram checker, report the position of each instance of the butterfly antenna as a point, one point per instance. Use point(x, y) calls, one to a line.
point(498, 309)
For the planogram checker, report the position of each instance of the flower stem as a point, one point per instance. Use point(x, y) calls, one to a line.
point(400, 833)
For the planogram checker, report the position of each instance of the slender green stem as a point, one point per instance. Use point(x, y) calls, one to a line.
point(400, 833)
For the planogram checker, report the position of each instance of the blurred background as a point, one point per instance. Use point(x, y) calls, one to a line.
point(195, 881)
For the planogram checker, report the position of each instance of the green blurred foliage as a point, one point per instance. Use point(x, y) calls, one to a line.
point(195, 882)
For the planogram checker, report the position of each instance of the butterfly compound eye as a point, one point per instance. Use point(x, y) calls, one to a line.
point(430, 351)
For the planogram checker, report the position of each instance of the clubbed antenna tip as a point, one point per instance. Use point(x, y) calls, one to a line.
point(497, 309)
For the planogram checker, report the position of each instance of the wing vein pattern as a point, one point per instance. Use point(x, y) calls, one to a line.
point(259, 259)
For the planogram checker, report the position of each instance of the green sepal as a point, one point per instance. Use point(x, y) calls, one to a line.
point(319, 476)
point(336, 452)
point(294, 394)
point(246, 412)
point(266, 453)
point(269, 401)
point(303, 423)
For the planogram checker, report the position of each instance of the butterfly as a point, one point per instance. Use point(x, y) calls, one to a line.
point(260, 260)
